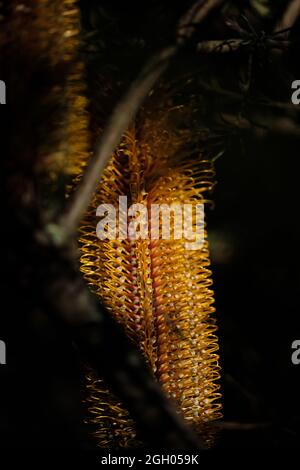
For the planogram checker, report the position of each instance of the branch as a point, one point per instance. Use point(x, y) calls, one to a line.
point(282, 126)
point(235, 96)
point(103, 344)
point(232, 45)
point(194, 16)
point(233, 426)
point(289, 17)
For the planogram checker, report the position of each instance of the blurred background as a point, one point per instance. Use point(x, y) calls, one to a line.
point(253, 230)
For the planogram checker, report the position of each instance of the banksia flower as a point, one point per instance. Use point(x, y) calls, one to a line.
point(157, 289)
point(40, 42)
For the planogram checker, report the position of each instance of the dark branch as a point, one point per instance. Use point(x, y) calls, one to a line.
point(233, 426)
point(232, 45)
point(103, 344)
point(289, 17)
point(195, 16)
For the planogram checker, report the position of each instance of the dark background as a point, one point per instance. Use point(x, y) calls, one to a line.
point(254, 234)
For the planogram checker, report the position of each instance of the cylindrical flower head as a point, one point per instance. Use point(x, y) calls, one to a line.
point(158, 288)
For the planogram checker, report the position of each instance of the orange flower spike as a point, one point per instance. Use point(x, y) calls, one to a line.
point(157, 289)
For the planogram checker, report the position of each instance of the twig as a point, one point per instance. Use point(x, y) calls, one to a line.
point(233, 426)
point(194, 16)
point(232, 45)
point(235, 96)
point(282, 126)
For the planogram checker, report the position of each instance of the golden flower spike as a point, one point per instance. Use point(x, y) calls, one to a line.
point(41, 39)
point(159, 291)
